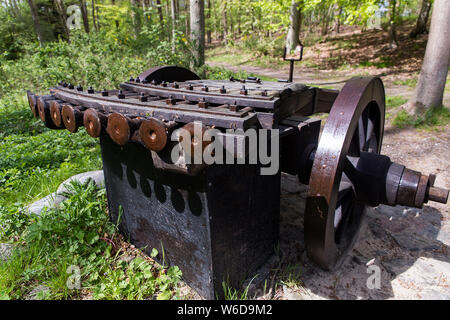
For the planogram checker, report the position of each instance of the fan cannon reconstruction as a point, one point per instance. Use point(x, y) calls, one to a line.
point(219, 221)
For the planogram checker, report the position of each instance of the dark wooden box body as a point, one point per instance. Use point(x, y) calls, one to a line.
point(220, 225)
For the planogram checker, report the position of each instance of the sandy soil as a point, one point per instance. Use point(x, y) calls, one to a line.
point(410, 246)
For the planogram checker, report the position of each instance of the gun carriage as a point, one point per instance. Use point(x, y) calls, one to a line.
point(220, 221)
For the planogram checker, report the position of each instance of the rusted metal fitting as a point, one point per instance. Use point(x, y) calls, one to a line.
point(70, 86)
point(205, 88)
point(223, 90)
point(32, 103)
point(143, 97)
point(55, 113)
point(94, 122)
point(234, 107)
point(190, 87)
point(171, 101)
point(243, 91)
point(120, 95)
point(120, 128)
point(202, 103)
point(153, 134)
point(79, 88)
point(175, 85)
point(264, 93)
point(90, 90)
point(137, 80)
point(72, 117)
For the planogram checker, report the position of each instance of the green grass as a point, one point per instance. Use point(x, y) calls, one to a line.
point(432, 119)
point(395, 101)
point(411, 82)
point(79, 242)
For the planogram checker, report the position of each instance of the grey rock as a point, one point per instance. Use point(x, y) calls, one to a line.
point(33, 295)
point(96, 176)
point(51, 201)
point(5, 251)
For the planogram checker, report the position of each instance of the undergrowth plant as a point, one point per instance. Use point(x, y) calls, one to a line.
point(78, 239)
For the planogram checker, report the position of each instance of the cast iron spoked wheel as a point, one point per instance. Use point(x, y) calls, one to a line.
point(333, 216)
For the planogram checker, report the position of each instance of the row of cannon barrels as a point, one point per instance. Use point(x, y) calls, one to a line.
point(56, 114)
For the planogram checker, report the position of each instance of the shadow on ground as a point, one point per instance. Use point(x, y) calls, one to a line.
point(410, 246)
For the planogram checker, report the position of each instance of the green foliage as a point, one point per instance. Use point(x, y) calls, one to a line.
point(395, 101)
point(433, 118)
point(79, 236)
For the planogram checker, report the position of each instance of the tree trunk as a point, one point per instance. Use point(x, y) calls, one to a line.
point(393, 43)
point(135, 18)
point(84, 15)
point(35, 17)
point(422, 19)
point(197, 8)
point(173, 9)
point(160, 13)
point(225, 24)
point(430, 86)
point(292, 40)
point(208, 17)
point(94, 23)
point(59, 6)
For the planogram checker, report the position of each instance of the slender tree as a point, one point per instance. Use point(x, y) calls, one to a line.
point(431, 84)
point(60, 9)
point(225, 23)
point(208, 17)
point(173, 14)
point(94, 23)
point(393, 43)
point(37, 25)
point(197, 8)
point(422, 19)
point(84, 15)
point(292, 40)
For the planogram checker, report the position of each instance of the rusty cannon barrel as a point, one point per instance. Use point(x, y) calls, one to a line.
point(72, 117)
point(121, 128)
point(154, 133)
point(94, 122)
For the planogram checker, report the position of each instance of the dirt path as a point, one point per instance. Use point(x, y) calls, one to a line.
point(333, 78)
point(410, 246)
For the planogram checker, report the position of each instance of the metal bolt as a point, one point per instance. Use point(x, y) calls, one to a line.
point(71, 86)
point(137, 80)
point(131, 79)
point(79, 88)
point(223, 90)
point(142, 97)
point(264, 93)
point(205, 88)
point(233, 107)
point(171, 100)
point(190, 87)
point(164, 84)
point(243, 90)
point(64, 84)
point(175, 85)
point(90, 90)
point(202, 103)
point(232, 78)
point(105, 93)
point(121, 95)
